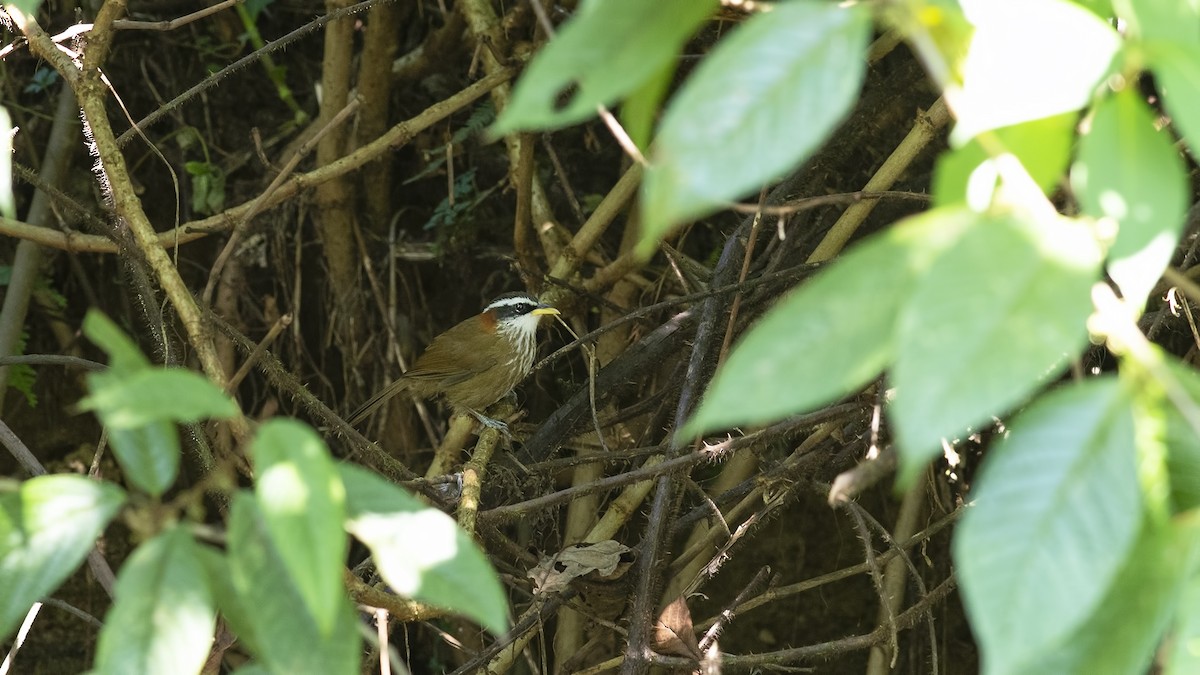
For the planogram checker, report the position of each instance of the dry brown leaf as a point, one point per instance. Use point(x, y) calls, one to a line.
point(606, 559)
point(673, 632)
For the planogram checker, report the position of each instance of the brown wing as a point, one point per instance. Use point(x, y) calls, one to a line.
point(447, 361)
point(452, 357)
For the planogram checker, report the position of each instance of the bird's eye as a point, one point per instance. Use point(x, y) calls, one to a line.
point(512, 306)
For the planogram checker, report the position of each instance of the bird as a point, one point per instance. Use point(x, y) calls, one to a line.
point(475, 363)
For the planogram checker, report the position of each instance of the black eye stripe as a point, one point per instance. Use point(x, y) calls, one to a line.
point(512, 311)
point(512, 305)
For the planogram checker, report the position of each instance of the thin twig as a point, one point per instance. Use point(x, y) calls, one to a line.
point(1183, 281)
point(260, 201)
point(71, 609)
point(19, 640)
point(395, 137)
point(737, 297)
point(781, 592)
point(614, 126)
point(52, 360)
point(212, 80)
point(276, 328)
point(99, 566)
point(790, 274)
point(783, 657)
point(794, 206)
point(726, 615)
point(172, 24)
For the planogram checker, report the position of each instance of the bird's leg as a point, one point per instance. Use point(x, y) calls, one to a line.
point(491, 423)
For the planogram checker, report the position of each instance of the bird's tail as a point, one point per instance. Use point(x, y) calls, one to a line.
point(376, 402)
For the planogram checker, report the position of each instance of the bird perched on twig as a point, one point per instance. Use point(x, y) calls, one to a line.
point(475, 363)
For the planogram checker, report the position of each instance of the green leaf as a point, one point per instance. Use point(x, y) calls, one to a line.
point(609, 49)
point(148, 455)
point(967, 176)
point(131, 400)
point(1127, 626)
point(821, 336)
point(252, 669)
point(122, 352)
point(938, 33)
point(421, 552)
point(47, 527)
point(640, 109)
point(288, 639)
point(765, 98)
point(208, 188)
point(8, 207)
point(21, 377)
point(1129, 172)
point(1101, 8)
point(1175, 21)
point(1021, 67)
point(1181, 442)
point(140, 405)
point(220, 583)
point(197, 168)
point(163, 616)
point(989, 322)
point(303, 503)
point(1151, 427)
point(1057, 511)
point(1183, 463)
point(1185, 654)
point(255, 7)
point(28, 7)
point(1177, 71)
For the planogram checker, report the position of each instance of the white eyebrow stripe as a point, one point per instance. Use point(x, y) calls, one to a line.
point(511, 302)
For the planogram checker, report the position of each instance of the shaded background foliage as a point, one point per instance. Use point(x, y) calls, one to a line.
point(430, 232)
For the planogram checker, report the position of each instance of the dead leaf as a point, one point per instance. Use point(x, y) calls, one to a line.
point(673, 632)
point(604, 560)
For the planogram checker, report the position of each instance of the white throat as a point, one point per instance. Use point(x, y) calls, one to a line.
point(522, 331)
point(522, 328)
